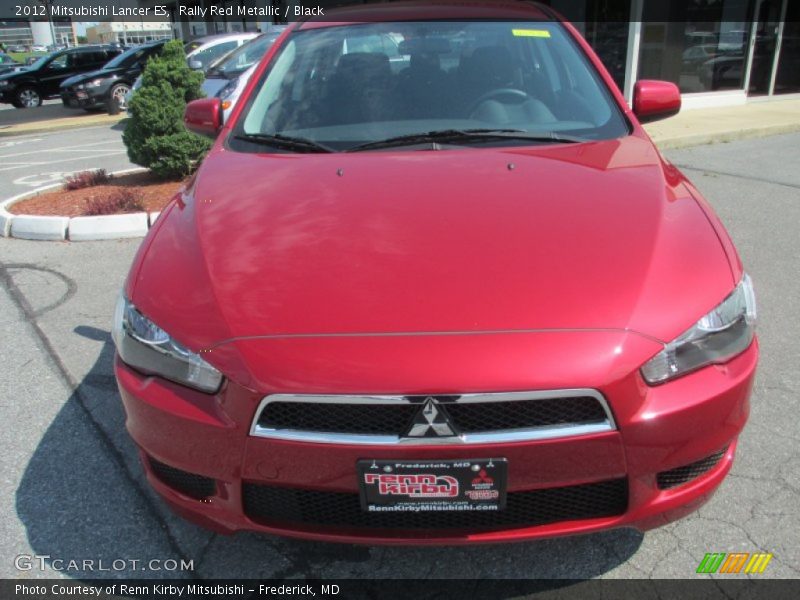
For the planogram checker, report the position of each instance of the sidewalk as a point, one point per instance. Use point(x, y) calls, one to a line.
point(726, 124)
point(51, 117)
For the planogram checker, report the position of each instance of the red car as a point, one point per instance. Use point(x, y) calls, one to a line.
point(435, 284)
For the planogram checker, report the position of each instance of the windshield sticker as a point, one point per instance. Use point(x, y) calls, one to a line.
point(539, 33)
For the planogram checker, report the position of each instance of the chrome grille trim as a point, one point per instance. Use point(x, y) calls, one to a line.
point(492, 437)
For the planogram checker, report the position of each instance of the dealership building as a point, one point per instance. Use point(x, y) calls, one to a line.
point(24, 32)
point(128, 32)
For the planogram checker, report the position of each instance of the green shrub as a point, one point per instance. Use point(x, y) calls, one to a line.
point(155, 135)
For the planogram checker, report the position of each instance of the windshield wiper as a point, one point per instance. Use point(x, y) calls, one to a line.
point(285, 142)
point(449, 136)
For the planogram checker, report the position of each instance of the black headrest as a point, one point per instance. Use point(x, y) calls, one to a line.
point(364, 64)
point(489, 62)
point(489, 57)
point(426, 45)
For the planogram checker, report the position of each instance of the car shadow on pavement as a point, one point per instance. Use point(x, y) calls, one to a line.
point(121, 124)
point(46, 112)
point(83, 496)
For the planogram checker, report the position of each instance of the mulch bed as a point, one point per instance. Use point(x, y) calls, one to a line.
point(154, 194)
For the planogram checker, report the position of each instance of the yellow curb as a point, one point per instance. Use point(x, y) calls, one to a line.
point(58, 124)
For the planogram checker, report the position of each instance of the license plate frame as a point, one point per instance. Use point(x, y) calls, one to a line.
point(446, 485)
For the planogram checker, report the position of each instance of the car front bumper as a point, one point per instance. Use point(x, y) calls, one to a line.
point(184, 434)
point(82, 98)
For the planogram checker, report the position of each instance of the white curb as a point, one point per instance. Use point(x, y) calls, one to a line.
point(105, 227)
point(6, 218)
point(5, 222)
point(82, 229)
point(30, 227)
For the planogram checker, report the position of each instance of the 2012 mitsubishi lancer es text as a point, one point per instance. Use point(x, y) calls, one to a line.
point(435, 284)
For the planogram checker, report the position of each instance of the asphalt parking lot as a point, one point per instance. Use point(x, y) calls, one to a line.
point(73, 487)
point(28, 162)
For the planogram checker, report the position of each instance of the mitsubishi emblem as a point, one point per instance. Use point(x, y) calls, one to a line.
point(431, 421)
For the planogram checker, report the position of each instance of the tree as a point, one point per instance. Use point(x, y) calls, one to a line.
point(154, 135)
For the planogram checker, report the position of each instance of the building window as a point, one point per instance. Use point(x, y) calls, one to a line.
point(700, 46)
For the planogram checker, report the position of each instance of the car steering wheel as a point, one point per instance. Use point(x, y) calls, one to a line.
point(498, 93)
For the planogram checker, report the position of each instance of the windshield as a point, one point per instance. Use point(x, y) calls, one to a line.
point(351, 85)
point(192, 46)
point(42, 61)
point(244, 57)
point(127, 58)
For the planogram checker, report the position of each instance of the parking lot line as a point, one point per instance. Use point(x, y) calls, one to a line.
point(60, 149)
point(52, 162)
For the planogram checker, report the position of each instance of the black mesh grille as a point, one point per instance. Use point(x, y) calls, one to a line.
point(521, 414)
point(675, 477)
point(194, 486)
point(277, 505)
point(389, 419)
point(395, 419)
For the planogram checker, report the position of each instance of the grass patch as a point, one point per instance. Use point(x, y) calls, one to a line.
point(23, 56)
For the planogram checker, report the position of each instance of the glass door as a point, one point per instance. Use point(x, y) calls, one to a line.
point(787, 77)
point(763, 44)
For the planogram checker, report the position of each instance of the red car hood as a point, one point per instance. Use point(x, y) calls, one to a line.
point(593, 236)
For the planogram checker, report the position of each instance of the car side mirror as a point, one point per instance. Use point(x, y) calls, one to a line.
point(655, 100)
point(195, 64)
point(204, 117)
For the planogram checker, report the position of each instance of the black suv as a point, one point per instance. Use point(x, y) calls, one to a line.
point(108, 87)
point(8, 64)
point(27, 88)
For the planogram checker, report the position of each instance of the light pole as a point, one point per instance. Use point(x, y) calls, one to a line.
point(48, 4)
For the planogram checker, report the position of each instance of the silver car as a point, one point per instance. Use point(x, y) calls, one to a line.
point(226, 78)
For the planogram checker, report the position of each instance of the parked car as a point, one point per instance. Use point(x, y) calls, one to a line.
point(8, 64)
point(43, 48)
point(436, 306)
point(695, 56)
point(202, 52)
point(17, 48)
point(226, 78)
point(725, 71)
point(111, 84)
point(27, 88)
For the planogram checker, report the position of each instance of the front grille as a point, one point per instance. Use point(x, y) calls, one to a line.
point(190, 484)
point(290, 506)
point(339, 418)
point(680, 475)
point(373, 416)
point(524, 414)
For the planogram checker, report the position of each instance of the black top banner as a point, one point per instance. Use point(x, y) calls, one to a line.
point(277, 11)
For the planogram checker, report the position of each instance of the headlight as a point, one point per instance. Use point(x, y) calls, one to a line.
point(723, 333)
point(146, 347)
point(225, 93)
point(3, 83)
point(94, 83)
point(229, 88)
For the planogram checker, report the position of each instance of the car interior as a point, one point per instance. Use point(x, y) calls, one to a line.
point(394, 83)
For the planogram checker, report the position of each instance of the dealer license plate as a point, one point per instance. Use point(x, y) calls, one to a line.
point(433, 485)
